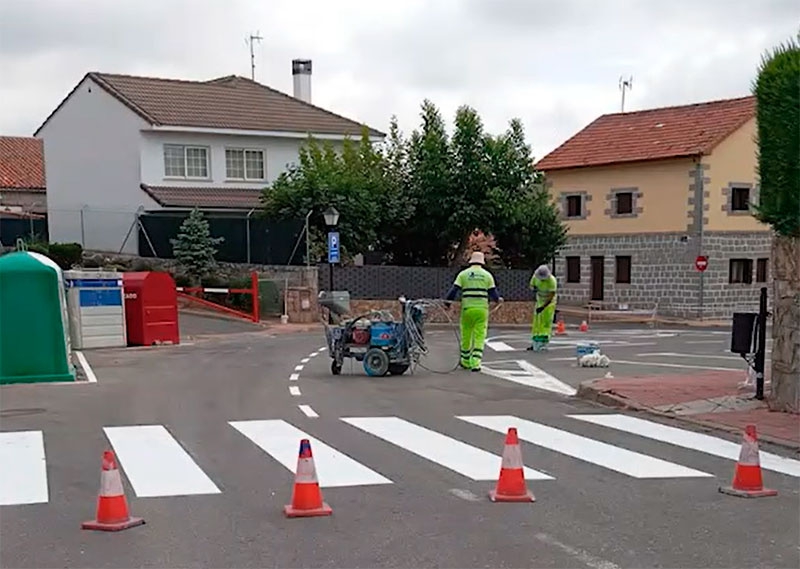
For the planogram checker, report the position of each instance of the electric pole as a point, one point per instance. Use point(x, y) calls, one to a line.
point(625, 84)
point(250, 40)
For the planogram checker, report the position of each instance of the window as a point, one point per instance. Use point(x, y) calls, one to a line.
point(244, 164)
point(623, 266)
point(762, 270)
point(573, 269)
point(185, 161)
point(740, 271)
point(624, 203)
point(574, 206)
point(740, 199)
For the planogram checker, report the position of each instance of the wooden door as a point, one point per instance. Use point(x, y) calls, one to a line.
point(598, 276)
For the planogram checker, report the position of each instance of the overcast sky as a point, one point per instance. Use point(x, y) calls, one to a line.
point(555, 64)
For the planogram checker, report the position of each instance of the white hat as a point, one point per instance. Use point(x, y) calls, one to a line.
point(477, 258)
point(542, 272)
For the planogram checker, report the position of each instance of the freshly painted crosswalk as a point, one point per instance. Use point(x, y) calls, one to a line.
point(157, 465)
point(453, 454)
point(602, 454)
point(281, 440)
point(689, 439)
point(23, 475)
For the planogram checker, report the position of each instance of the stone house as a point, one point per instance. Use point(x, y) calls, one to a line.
point(644, 194)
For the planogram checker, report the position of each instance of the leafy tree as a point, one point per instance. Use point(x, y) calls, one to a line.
point(426, 240)
point(351, 180)
point(526, 221)
point(194, 247)
point(777, 91)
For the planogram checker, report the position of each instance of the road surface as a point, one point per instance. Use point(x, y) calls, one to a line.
point(207, 436)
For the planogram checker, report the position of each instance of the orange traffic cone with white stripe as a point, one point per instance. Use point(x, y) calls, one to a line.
point(747, 481)
point(511, 485)
point(306, 495)
point(112, 507)
point(561, 329)
point(584, 327)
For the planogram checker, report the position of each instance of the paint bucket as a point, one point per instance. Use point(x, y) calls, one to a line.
point(583, 348)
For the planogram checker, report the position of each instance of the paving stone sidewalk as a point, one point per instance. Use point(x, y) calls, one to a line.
point(721, 400)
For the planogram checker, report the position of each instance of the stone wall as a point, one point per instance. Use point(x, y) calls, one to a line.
point(662, 271)
point(508, 313)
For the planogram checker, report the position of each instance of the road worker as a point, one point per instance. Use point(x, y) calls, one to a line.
point(544, 283)
point(477, 288)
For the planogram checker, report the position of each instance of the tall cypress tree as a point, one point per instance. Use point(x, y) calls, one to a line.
point(777, 91)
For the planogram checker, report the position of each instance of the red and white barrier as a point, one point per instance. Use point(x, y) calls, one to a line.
point(187, 293)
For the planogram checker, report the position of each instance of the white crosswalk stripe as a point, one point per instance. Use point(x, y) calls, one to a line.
point(474, 463)
point(157, 465)
point(602, 454)
point(23, 471)
point(689, 439)
point(281, 441)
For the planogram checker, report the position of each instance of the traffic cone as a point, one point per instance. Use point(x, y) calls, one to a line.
point(561, 329)
point(747, 482)
point(112, 508)
point(511, 485)
point(306, 495)
point(584, 327)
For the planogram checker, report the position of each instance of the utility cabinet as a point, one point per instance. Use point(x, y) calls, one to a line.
point(96, 309)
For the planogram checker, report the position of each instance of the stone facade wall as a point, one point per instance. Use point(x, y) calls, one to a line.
point(662, 270)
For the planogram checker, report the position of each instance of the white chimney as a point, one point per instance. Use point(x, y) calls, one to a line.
point(301, 73)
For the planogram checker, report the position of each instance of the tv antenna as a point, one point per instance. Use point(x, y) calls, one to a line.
point(249, 41)
point(625, 85)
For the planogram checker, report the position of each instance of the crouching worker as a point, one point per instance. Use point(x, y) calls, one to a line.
point(545, 285)
point(477, 288)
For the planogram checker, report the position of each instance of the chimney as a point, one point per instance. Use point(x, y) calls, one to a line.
point(301, 73)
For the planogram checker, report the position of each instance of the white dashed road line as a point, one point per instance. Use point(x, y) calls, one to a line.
point(294, 390)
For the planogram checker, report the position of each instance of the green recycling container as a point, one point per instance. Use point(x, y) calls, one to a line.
point(34, 329)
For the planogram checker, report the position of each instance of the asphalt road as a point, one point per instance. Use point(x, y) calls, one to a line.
point(212, 493)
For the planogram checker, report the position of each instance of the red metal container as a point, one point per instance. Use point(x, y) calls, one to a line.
point(151, 308)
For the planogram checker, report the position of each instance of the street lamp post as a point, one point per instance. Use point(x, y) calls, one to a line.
point(331, 220)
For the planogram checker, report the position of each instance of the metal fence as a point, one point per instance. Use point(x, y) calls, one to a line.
point(380, 282)
point(12, 229)
point(148, 234)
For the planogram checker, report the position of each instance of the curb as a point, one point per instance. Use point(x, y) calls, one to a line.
point(589, 391)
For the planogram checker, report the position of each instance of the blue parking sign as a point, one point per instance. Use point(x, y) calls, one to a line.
point(333, 246)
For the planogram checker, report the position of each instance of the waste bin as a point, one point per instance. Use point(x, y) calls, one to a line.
point(151, 308)
point(34, 329)
point(743, 332)
point(96, 312)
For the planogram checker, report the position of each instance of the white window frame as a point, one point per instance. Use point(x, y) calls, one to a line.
point(244, 151)
point(186, 148)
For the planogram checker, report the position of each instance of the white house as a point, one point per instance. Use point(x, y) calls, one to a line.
point(119, 144)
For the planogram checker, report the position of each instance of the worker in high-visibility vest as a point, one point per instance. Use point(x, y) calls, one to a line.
point(544, 283)
point(477, 288)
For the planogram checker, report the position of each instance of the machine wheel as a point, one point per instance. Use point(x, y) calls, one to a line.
point(397, 369)
point(376, 362)
point(336, 368)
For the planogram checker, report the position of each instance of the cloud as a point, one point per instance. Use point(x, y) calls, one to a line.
point(553, 63)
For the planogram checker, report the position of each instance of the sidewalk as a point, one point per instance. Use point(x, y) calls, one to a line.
point(714, 399)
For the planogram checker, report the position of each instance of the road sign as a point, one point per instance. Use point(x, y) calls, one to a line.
point(333, 246)
point(701, 263)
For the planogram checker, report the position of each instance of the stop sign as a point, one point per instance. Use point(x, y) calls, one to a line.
point(701, 263)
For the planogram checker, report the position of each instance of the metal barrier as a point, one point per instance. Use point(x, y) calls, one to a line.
point(255, 316)
point(639, 312)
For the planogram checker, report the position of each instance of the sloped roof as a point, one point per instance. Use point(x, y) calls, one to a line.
point(229, 102)
point(654, 134)
point(208, 197)
point(22, 163)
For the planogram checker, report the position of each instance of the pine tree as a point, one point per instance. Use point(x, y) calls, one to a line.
point(194, 247)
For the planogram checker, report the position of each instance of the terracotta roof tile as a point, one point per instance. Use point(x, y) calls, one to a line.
point(208, 197)
point(654, 134)
point(22, 163)
point(230, 102)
